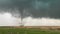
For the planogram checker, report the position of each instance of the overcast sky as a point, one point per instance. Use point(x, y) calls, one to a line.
point(36, 8)
point(31, 10)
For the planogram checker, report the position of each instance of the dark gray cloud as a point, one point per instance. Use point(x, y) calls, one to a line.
point(36, 8)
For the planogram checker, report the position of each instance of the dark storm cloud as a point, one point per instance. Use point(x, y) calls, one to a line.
point(46, 8)
point(36, 8)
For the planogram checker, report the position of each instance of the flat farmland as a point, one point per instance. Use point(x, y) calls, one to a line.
point(28, 30)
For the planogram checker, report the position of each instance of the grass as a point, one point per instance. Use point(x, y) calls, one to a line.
point(27, 31)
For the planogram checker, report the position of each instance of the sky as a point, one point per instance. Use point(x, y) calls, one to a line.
point(36, 8)
point(30, 9)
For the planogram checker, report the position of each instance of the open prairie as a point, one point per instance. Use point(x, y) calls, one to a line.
point(29, 30)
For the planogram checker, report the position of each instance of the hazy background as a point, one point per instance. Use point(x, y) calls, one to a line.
point(32, 12)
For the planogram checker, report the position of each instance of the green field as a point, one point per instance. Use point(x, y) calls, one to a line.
point(4, 30)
